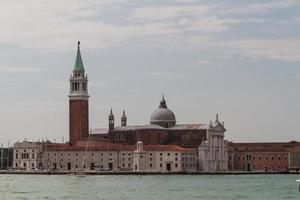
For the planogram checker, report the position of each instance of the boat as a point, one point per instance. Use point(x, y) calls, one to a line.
point(298, 181)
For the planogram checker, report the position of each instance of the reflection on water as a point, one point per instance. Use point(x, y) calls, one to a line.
point(149, 187)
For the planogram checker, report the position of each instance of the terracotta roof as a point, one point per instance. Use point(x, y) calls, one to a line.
point(105, 146)
point(295, 149)
point(262, 146)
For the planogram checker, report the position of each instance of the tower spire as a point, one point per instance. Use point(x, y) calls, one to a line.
point(111, 120)
point(124, 119)
point(217, 118)
point(163, 103)
point(78, 62)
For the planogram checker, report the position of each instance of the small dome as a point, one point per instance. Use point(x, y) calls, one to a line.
point(163, 116)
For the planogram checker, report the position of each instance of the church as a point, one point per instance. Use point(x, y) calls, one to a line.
point(162, 145)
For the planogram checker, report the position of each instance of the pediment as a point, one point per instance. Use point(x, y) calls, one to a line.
point(219, 127)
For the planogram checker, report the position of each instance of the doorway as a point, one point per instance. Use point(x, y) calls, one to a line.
point(168, 165)
point(54, 166)
point(69, 166)
point(92, 167)
point(110, 166)
point(248, 167)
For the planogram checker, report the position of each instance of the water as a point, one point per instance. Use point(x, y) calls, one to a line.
point(158, 187)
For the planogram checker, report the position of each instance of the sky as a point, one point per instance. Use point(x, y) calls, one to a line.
point(240, 59)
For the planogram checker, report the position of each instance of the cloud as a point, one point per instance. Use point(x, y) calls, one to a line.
point(209, 24)
point(164, 75)
point(255, 8)
point(53, 26)
point(12, 69)
point(157, 13)
point(286, 49)
point(272, 5)
point(183, 17)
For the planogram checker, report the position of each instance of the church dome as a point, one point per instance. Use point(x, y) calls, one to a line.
point(163, 116)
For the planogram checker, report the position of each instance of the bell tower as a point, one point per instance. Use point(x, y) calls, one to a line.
point(111, 121)
point(78, 102)
point(124, 119)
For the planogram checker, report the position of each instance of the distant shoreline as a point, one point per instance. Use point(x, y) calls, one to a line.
point(142, 173)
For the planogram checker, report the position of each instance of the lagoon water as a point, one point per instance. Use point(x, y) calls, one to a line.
point(158, 187)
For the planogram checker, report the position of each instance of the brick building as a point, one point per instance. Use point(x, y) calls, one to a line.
point(268, 157)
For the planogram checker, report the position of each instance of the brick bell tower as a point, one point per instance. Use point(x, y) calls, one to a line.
point(78, 102)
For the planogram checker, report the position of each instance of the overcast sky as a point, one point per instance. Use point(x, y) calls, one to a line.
point(240, 59)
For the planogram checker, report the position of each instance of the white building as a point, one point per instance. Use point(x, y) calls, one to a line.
point(164, 158)
point(213, 153)
point(26, 155)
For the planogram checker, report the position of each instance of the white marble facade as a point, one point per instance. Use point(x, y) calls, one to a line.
point(213, 153)
point(26, 155)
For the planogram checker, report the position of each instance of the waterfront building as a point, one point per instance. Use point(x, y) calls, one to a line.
point(213, 152)
point(6, 157)
point(27, 155)
point(116, 157)
point(265, 157)
point(164, 158)
point(294, 158)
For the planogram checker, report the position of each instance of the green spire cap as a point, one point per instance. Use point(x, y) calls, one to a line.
point(78, 62)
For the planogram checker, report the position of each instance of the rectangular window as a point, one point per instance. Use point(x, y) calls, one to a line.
point(84, 88)
point(92, 166)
